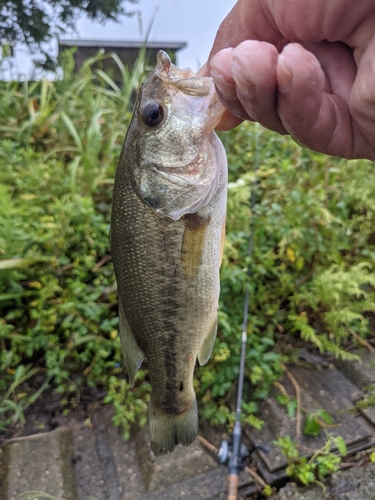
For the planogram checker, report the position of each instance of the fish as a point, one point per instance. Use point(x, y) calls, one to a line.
point(167, 234)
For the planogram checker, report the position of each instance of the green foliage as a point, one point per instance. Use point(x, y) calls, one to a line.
point(36, 22)
point(58, 303)
point(311, 273)
point(366, 402)
point(312, 268)
point(130, 405)
point(298, 467)
point(323, 462)
point(314, 422)
point(267, 491)
point(16, 408)
point(289, 403)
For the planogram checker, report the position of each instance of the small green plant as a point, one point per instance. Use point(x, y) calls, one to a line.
point(130, 404)
point(289, 403)
point(323, 462)
point(16, 405)
point(315, 422)
point(267, 491)
point(368, 400)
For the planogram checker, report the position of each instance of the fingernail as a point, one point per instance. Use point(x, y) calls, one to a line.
point(225, 89)
point(284, 75)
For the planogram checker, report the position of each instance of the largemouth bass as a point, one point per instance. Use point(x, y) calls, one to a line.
point(167, 233)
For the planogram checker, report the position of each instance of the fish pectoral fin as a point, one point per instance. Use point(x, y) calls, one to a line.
point(133, 356)
point(192, 244)
point(208, 344)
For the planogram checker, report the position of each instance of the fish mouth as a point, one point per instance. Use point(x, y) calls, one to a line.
point(189, 192)
point(175, 176)
point(172, 194)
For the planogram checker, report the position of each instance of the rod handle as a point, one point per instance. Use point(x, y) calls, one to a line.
point(232, 486)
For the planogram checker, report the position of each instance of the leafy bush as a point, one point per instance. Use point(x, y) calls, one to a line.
point(59, 147)
point(311, 271)
point(312, 267)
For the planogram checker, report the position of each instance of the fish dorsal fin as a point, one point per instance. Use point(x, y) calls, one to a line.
point(133, 356)
point(192, 244)
point(208, 344)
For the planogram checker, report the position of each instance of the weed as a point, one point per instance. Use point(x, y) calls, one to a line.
point(323, 461)
point(130, 404)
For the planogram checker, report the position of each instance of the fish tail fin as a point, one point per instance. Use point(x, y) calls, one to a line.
point(167, 431)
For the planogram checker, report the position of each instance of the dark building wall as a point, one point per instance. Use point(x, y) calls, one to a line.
point(127, 54)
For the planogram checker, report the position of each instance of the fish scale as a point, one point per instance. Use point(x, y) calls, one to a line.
point(166, 236)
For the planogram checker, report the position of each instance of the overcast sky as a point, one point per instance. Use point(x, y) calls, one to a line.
point(191, 21)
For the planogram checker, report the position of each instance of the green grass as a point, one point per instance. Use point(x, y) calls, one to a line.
point(311, 274)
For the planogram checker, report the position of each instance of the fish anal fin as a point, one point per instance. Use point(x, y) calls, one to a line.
point(133, 356)
point(167, 431)
point(192, 243)
point(208, 344)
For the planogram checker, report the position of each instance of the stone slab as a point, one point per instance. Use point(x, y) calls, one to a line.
point(357, 483)
point(363, 375)
point(211, 485)
point(360, 374)
point(369, 413)
point(116, 461)
point(184, 463)
point(127, 468)
point(86, 463)
point(190, 472)
point(326, 389)
point(39, 465)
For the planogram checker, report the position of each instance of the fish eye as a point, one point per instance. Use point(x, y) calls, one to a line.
point(152, 114)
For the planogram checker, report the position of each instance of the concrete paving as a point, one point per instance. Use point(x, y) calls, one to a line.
point(39, 465)
point(91, 461)
point(357, 483)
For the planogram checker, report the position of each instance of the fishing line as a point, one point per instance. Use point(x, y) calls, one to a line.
point(233, 452)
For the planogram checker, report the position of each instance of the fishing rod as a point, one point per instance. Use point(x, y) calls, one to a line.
point(234, 452)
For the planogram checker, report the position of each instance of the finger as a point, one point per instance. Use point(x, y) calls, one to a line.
point(362, 99)
point(221, 73)
point(228, 121)
point(254, 73)
point(313, 117)
point(338, 65)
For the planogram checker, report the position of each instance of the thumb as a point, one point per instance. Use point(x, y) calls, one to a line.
point(248, 20)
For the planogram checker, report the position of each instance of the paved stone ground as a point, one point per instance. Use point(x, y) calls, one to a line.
point(93, 462)
point(357, 483)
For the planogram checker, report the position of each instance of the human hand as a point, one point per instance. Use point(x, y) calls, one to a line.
point(304, 68)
